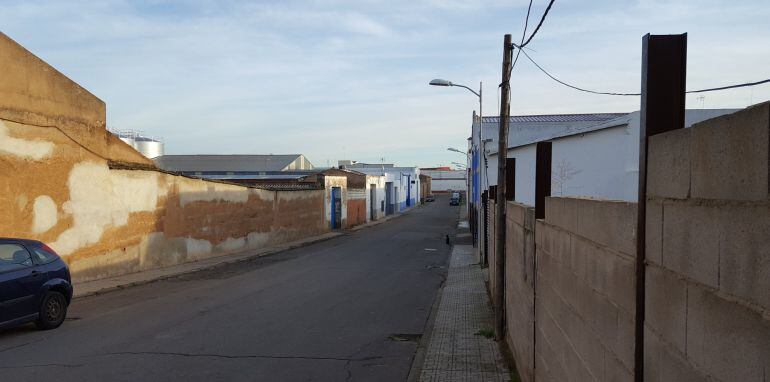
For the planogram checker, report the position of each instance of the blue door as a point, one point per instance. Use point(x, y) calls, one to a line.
point(336, 208)
point(408, 190)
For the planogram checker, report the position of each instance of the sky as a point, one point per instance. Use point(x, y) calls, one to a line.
point(348, 79)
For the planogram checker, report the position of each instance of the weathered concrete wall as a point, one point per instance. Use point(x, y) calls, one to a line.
point(331, 182)
point(56, 186)
point(106, 222)
point(585, 290)
point(707, 307)
point(707, 315)
point(520, 286)
point(35, 94)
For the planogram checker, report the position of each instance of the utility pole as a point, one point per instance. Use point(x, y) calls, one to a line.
point(502, 155)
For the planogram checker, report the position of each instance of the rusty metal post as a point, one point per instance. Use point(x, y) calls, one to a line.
point(664, 73)
point(543, 155)
point(502, 154)
point(510, 179)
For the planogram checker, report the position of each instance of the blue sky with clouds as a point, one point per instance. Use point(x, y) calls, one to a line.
point(347, 79)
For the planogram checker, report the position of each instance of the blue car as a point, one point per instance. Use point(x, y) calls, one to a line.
point(35, 284)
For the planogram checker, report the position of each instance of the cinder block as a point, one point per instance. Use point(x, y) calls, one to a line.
point(611, 274)
point(599, 313)
point(744, 261)
point(581, 250)
point(621, 281)
point(614, 370)
point(515, 212)
point(623, 347)
point(556, 242)
point(562, 212)
point(730, 155)
point(548, 361)
point(668, 164)
point(691, 236)
point(529, 218)
point(587, 345)
point(610, 223)
point(663, 364)
point(724, 339)
point(653, 233)
point(568, 286)
point(666, 305)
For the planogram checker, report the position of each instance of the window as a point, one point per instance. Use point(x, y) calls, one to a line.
point(13, 257)
point(43, 255)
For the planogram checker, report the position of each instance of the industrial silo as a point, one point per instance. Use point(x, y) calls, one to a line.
point(149, 147)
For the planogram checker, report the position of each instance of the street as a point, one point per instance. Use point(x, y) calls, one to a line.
point(344, 309)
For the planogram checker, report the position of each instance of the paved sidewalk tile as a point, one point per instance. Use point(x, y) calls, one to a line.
point(455, 352)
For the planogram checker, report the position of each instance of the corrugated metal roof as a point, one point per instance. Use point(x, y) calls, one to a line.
point(233, 163)
point(592, 117)
point(252, 177)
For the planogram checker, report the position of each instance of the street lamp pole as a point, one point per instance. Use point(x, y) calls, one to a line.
point(442, 82)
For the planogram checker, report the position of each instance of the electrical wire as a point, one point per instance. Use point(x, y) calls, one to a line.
point(523, 34)
point(731, 86)
point(542, 19)
point(636, 94)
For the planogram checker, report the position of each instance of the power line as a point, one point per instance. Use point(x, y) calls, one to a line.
point(747, 84)
point(731, 86)
point(523, 34)
point(572, 86)
point(538, 24)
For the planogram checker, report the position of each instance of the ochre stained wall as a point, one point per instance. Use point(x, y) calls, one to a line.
point(56, 185)
point(107, 222)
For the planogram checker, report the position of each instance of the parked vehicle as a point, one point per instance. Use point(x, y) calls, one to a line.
point(35, 284)
point(455, 199)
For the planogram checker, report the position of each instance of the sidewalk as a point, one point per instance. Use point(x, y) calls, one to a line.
point(90, 288)
point(458, 349)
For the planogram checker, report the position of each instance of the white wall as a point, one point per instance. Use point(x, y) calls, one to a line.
point(379, 195)
point(394, 174)
point(443, 180)
point(600, 164)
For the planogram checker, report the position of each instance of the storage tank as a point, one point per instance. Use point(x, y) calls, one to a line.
point(149, 147)
point(128, 139)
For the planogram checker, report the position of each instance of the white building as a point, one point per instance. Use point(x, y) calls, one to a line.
point(445, 180)
point(593, 155)
point(402, 184)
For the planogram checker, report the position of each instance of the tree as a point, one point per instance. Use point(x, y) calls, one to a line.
point(562, 172)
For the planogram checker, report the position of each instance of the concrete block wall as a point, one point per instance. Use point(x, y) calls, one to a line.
point(491, 252)
point(520, 287)
point(707, 315)
point(584, 305)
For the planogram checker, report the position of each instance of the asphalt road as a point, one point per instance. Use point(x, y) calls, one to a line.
point(326, 312)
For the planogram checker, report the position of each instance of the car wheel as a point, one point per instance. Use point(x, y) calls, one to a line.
point(53, 310)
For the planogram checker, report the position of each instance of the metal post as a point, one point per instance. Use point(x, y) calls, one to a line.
point(502, 154)
point(664, 73)
point(510, 179)
point(543, 154)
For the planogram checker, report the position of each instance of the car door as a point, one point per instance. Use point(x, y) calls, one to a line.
point(19, 282)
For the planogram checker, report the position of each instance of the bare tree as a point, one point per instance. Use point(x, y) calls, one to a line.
point(562, 172)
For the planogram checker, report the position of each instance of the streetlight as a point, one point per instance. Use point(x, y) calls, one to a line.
point(459, 164)
point(442, 82)
point(456, 150)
